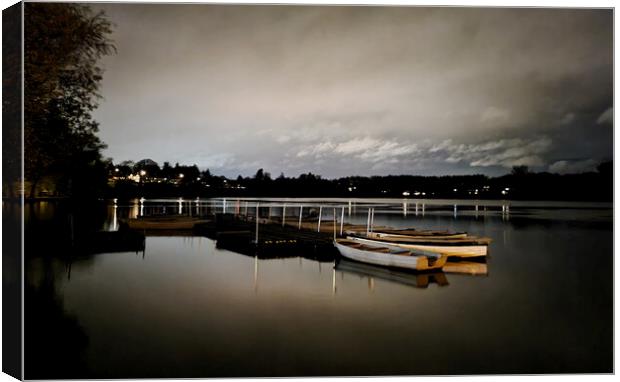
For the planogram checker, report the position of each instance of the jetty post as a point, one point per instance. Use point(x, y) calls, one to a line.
point(368, 223)
point(335, 221)
point(256, 238)
point(318, 228)
point(372, 219)
point(301, 209)
point(341, 220)
point(283, 215)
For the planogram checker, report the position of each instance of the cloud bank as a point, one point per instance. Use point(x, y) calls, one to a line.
point(358, 90)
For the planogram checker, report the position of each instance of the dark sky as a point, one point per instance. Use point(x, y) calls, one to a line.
point(359, 90)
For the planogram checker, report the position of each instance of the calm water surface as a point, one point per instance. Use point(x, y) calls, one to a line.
point(184, 308)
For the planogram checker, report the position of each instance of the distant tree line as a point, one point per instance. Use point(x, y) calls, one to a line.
point(519, 184)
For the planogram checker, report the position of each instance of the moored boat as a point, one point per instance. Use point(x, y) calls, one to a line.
point(165, 222)
point(390, 256)
point(451, 247)
point(417, 235)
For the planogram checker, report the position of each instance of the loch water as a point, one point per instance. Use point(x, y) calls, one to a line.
point(184, 308)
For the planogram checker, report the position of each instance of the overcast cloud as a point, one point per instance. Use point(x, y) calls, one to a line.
point(359, 90)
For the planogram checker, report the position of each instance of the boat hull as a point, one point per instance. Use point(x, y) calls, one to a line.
point(416, 263)
point(450, 250)
point(164, 224)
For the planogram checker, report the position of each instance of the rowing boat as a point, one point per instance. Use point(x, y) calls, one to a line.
point(165, 222)
point(403, 235)
point(390, 256)
point(450, 247)
point(409, 232)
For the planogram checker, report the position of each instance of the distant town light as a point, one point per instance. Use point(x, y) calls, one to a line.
point(504, 192)
point(142, 172)
point(455, 190)
point(198, 178)
point(350, 189)
point(116, 169)
point(507, 189)
point(406, 193)
point(181, 175)
point(416, 193)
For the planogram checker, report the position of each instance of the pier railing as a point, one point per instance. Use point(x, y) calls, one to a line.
point(309, 214)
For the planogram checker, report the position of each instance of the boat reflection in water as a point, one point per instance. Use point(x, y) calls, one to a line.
point(473, 268)
point(416, 280)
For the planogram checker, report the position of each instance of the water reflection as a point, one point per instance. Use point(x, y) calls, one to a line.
point(227, 314)
point(420, 280)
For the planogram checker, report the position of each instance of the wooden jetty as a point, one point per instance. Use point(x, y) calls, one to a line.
point(272, 240)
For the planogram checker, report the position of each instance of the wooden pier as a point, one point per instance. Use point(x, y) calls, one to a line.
point(272, 240)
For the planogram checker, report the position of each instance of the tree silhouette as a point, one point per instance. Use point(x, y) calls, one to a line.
point(63, 43)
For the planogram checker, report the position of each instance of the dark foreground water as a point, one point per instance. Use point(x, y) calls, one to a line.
point(183, 308)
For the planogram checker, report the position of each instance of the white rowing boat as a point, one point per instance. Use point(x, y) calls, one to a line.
point(460, 248)
point(411, 232)
point(165, 222)
point(389, 256)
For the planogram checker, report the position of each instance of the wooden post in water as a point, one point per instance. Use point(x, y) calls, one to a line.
point(301, 209)
point(256, 238)
point(283, 215)
point(334, 224)
point(368, 223)
point(455, 211)
point(341, 220)
point(372, 219)
point(318, 228)
point(416, 209)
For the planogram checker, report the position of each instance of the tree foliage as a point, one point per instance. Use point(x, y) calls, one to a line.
point(63, 43)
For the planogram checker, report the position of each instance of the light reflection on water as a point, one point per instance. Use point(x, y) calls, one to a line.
point(185, 308)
